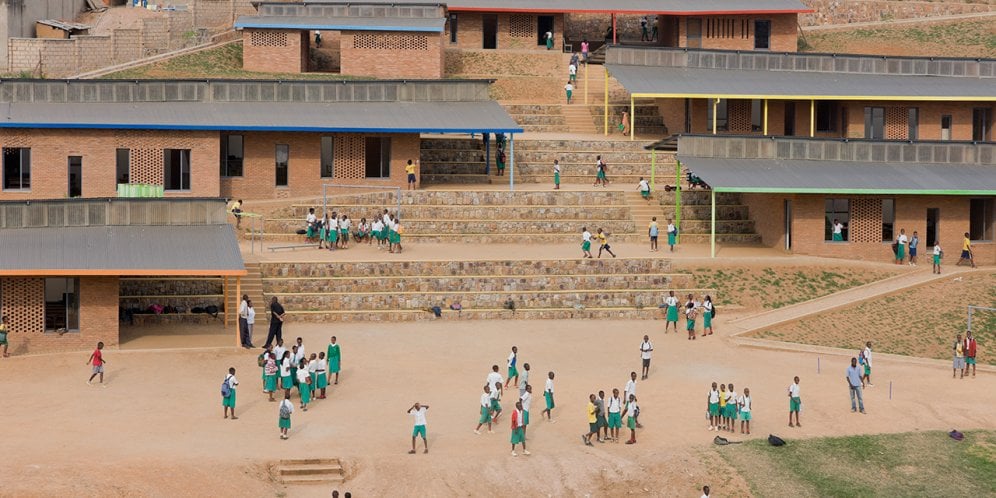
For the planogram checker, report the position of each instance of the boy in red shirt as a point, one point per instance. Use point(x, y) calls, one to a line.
point(97, 360)
point(970, 348)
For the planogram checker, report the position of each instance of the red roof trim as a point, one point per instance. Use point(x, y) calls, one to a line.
point(666, 13)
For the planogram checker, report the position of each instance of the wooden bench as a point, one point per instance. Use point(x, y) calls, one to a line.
point(292, 248)
point(146, 318)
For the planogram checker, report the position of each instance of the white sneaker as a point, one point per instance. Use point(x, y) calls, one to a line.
point(477, 432)
point(490, 431)
point(526, 452)
point(515, 454)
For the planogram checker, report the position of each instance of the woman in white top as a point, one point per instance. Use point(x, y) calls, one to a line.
point(838, 231)
point(901, 246)
point(285, 411)
point(250, 321)
point(707, 316)
point(556, 174)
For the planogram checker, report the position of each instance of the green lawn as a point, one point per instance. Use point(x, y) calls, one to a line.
point(926, 464)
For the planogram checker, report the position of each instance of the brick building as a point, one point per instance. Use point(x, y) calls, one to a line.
point(244, 139)
point(64, 260)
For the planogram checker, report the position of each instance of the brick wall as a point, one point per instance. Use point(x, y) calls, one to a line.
point(98, 315)
point(92, 51)
point(929, 117)
point(50, 149)
point(391, 55)
point(784, 33)
point(274, 51)
point(509, 35)
point(304, 170)
point(214, 13)
point(808, 219)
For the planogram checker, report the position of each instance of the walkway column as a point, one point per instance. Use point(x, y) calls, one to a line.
point(712, 227)
point(677, 198)
point(632, 118)
point(715, 108)
point(606, 103)
point(653, 167)
point(238, 299)
point(765, 132)
point(487, 154)
point(615, 38)
point(585, 82)
point(812, 118)
point(511, 161)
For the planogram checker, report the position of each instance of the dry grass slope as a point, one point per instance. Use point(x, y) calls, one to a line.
point(950, 39)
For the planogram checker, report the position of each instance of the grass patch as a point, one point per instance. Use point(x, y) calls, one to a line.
point(887, 465)
point(769, 288)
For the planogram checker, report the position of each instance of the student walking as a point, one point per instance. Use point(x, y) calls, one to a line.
point(653, 231)
point(938, 254)
point(632, 412)
point(645, 349)
point(901, 242)
point(572, 72)
point(526, 398)
point(600, 417)
point(524, 379)
point(644, 34)
point(494, 377)
point(270, 375)
point(712, 408)
point(485, 407)
point(97, 361)
point(518, 429)
point(584, 50)
point(556, 174)
point(603, 243)
point(600, 177)
point(672, 234)
point(745, 403)
point(285, 410)
point(496, 392)
point(914, 242)
point(967, 256)
point(959, 358)
point(585, 243)
point(691, 310)
point(853, 376)
point(615, 415)
point(795, 402)
point(866, 361)
point(970, 349)
point(592, 422)
point(569, 90)
point(417, 411)
point(513, 372)
point(228, 393)
point(277, 316)
point(548, 397)
point(334, 354)
point(671, 313)
point(708, 312)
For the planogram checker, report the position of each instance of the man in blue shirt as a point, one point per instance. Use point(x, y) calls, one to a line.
point(854, 381)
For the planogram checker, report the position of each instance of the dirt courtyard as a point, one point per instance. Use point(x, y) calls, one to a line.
point(157, 430)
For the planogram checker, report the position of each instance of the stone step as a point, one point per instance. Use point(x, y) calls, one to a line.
point(312, 479)
point(482, 283)
point(473, 213)
point(323, 469)
point(587, 313)
point(509, 268)
point(698, 196)
point(539, 144)
point(700, 212)
point(507, 228)
point(308, 461)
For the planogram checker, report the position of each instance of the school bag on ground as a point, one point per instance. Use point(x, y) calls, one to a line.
point(774, 440)
point(226, 389)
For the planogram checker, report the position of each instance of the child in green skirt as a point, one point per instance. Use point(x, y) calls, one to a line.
point(335, 358)
point(285, 411)
point(286, 381)
point(228, 402)
point(304, 384)
point(270, 375)
point(323, 376)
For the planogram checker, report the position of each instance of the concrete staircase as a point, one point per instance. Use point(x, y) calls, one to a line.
point(577, 117)
point(309, 471)
point(252, 285)
point(540, 289)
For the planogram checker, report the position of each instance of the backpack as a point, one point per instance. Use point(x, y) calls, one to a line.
point(211, 310)
point(774, 440)
point(861, 357)
point(226, 389)
point(713, 311)
point(285, 411)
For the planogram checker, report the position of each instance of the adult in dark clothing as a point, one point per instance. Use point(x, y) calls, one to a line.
point(276, 323)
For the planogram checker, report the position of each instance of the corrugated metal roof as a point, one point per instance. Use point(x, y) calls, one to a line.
point(431, 25)
point(391, 117)
point(704, 83)
point(810, 176)
point(677, 7)
point(64, 25)
point(121, 250)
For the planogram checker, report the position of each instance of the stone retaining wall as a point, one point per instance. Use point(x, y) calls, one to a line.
point(369, 269)
point(479, 283)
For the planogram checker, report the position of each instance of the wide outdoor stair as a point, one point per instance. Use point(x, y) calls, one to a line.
point(252, 286)
point(385, 290)
point(309, 471)
point(577, 118)
point(537, 117)
point(733, 223)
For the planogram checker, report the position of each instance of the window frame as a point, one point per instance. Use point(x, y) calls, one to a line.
point(723, 110)
point(830, 213)
point(184, 156)
point(946, 119)
point(826, 116)
point(889, 229)
point(987, 211)
point(913, 123)
point(384, 148)
point(870, 127)
point(117, 166)
point(767, 34)
point(71, 310)
point(277, 166)
point(982, 124)
point(324, 161)
point(225, 159)
point(23, 178)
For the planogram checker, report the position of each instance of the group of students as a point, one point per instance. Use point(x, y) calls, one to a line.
point(603, 243)
point(653, 230)
point(333, 232)
point(605, 417)
point(724, 408)
point(692, 309)
point(905, 248)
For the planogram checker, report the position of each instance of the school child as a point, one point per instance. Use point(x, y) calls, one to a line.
point(323, 377)
point(97, 361)
point(866, 360)
point(603, 243)
point(513, 372)
point(556, 174)
point(653, 231)
point(712, 408)
point(731, 408)
point(323, 227)
point(723, 396)
point(707, 314)
point(671, 305)
point(362, 231)
point(228, 402)
point(569, 90)
point(344, 226)
point(285, 411)
point(914, 242)
point(630, 390)
point(494, 377)
point(300, 354)
point(313, 372)
point(705, 492)
point(615, 415)
point(496, 392)
point(485, 406)
point(646, 347)
point(548, 397)
point(938, 254)
point(523, 378)
point(261, 361)
point(631, 413)
point(745, 406)
point(518, 429)
point(294, 362)
point(398, 231)
point(310, 221)
point(304, 384)
point(592, 421)
point(585, 243)
point(286, 381)
point(335, 358)
point(270, 375)
point(599, 172)
point(690, 313)
point(644, 188)
point(901, 242)
point(418, 412)
point(3, 335)
point(375, 229)
point(279, 350)
point(333, 231)
point(603, 424)
point(672, 234)
point(795, 402)
point(526, 398)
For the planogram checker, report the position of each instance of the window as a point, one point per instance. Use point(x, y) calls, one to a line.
point(232, 154)
point(328, 165)
point(123, 167)
point(826, 116)
point(980, 219)
point(762, 34)
point(16, 168)
point(453, 28)
point(62, 304)
point(946, 127)
point(282, 162)
point(378, 157)
point(176, 169)
point(721, 114)
point(914, 123)
point(840, 210)
point(981, 126)
point(888, 220)
point(756, 115)
point(875, 123)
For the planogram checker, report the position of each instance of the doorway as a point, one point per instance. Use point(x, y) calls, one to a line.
point(489, 27)
point(544, 25)
point(75, 176)
point(933, 226)
point(788, 224)
point(693, 27)
point(789, 119)
point(762, 35)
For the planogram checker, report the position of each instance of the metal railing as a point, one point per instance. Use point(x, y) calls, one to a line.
point(112, 211)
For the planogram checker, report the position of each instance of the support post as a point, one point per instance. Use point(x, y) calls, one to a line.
point(615, 37)
point(653, 167)
point(712, 227)
point(715, 107)
point(238, 299)
point(224, 295)
point(765, 131)
point(511, 161)
point(585, 82)
point(677, 198)
point(812, 118)
point(487, 156)
point(632, 118)
point(606, 103)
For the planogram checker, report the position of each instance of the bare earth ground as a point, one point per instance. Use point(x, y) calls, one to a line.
point(155, 429)
point(922, 321)
point(961, 38)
